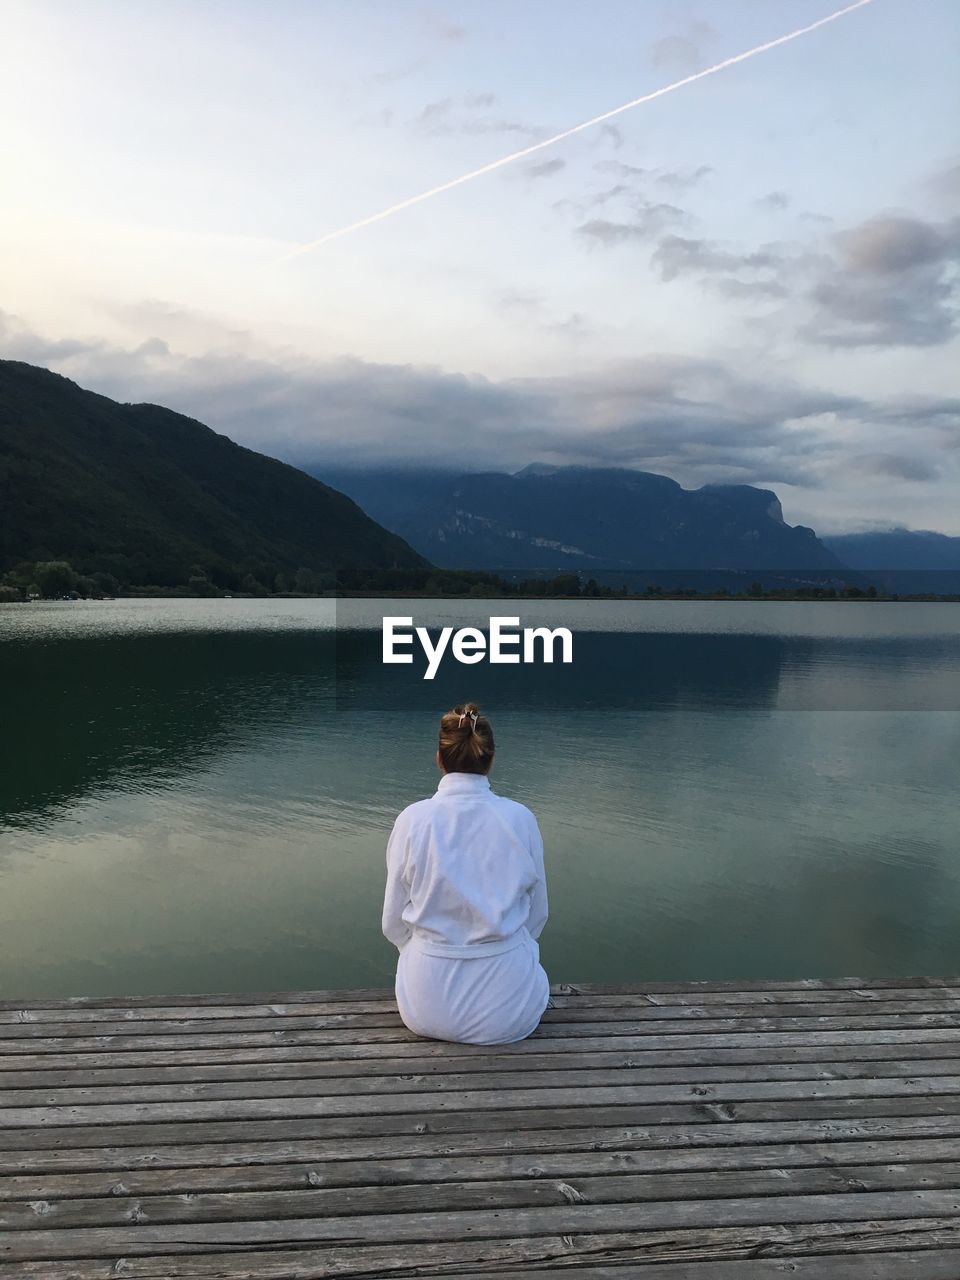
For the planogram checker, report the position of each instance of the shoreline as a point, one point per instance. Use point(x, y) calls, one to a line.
point(658, 598)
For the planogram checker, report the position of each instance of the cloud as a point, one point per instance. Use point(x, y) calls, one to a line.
point(434, 111)
point(512, 301)
point(676, 52)
point(696, 419)
point(441, 27)
point(851, 312)
point(646, 223)
point(686, 52)
point(891, 280)
point(896, 465)
point(682, 179)
point(887, 245)
point(390, 75)
point(774, 200)
point(676, 256)
point(576, 325)
point(545, 169)
point(532, 309)
point(592, 200)
point(894, 282)
point(612, 134)
point(641, 179)
point(688, 416)
point(450, 116)
point(731, 287)
point(18, 342)
point(926, 410)
point(641, 213)
point(181, 327)
point(622, 169)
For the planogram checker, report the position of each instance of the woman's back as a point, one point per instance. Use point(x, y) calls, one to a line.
point(471, 862)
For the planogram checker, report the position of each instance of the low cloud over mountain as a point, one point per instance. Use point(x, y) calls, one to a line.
point(696, 419)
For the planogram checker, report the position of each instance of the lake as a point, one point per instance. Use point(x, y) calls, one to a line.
point(196, 795)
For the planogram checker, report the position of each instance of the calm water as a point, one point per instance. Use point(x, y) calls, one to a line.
point(195, 795)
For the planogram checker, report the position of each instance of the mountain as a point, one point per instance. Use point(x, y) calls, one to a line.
point(586, 519)
point(152, 497)
point(906, 560)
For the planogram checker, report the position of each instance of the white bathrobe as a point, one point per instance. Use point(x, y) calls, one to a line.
point(466, 900)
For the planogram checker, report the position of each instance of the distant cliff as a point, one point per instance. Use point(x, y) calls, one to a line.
point(586, 519)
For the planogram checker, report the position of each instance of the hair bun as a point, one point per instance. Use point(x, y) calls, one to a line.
point(466, 740)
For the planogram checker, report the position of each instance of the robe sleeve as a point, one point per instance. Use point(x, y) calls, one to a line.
point(397, 893)
point(538, 894)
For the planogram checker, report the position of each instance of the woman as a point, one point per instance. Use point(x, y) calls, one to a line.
point(466, 900)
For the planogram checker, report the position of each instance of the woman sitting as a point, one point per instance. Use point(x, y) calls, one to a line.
point(466, 899)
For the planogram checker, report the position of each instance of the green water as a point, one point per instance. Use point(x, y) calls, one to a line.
point(195, 795)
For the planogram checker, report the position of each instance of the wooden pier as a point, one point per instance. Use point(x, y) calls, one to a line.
point(673, 1131)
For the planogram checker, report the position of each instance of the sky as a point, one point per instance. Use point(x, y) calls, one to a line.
point(751, 280)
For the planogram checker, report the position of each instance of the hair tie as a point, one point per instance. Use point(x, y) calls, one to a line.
point(474, 716)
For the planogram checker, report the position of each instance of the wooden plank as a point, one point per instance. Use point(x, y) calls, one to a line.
point(908, 1238)
point(239, 1147)
point(310, 1105)
point(726, 1114)
point(232, 1012)
point(194, 998)
point(344, 1023)
point(361, 1076)
point(141, 1239)
point(284, 1048)
point(561, 988)
point(436, 1198)
point(920, 1265)
point(240, 1172)
point(902, 1027)
point(690, 1011)
point(735, 984)
point(696, 996)
point(475, 1100)
point(427, 1056)
point(893, 1000)
point(658, 1018)
point(432, 1056)
point(944, 1264)
point(93, 1092)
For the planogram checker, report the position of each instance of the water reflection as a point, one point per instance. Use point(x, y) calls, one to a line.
point(92, 712)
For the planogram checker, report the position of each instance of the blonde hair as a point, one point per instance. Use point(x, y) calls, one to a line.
point(466, 740)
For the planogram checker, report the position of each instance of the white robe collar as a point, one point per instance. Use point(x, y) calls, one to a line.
point(457, 783)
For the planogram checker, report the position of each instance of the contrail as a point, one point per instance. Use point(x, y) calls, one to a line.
point(568, 133)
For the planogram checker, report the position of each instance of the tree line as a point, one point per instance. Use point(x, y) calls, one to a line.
point(57, 580)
